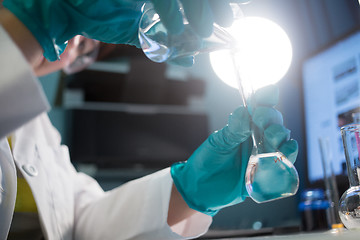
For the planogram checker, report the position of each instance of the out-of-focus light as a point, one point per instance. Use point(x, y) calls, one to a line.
point(264, 54)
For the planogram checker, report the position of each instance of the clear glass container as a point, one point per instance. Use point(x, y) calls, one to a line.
point(349, 206)
point(159, 45)
point(269, 175)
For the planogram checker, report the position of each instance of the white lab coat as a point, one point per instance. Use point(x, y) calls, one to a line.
point(71, 205)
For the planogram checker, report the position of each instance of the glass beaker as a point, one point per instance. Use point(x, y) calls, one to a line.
point(159, 45)
point(349, 206)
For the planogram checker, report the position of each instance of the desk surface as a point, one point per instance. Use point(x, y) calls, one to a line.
point(331, 234)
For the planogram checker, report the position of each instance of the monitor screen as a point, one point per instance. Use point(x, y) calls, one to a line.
point(331, 84)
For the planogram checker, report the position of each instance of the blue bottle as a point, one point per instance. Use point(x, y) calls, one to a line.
point(314, 210)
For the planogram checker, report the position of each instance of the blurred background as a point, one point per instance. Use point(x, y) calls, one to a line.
point(125, 116)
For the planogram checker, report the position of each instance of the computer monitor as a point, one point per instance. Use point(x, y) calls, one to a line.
point(331, 86)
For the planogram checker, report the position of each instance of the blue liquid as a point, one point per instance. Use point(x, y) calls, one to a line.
point(270, 176)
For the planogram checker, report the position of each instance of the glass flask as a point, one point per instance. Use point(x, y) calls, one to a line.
point(349, 206)
point(269, 176)
point(160, 46)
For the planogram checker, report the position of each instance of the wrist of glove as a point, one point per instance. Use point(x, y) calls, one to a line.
point(214, 175)
point(210, 179)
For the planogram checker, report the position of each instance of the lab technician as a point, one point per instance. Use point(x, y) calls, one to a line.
point(175, 203)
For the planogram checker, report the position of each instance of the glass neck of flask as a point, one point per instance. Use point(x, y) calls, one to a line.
point(353, 170)
point(220, 39)
point(351, 141)
point(353, 175)
point(191, 44)
point(246, 93)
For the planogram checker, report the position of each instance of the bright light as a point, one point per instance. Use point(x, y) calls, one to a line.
point(264, 55)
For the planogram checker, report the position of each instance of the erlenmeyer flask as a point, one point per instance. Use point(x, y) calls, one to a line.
point(160, 46)
point(349, 206)
point(269, 175)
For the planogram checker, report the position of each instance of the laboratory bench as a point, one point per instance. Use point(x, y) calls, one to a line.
point(269, 234)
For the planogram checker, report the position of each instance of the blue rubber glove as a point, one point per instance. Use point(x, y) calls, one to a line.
point(214, 176)
point(54, 22)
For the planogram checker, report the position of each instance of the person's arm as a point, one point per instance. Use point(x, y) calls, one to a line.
point(178, 208)
point(18, 84)
point(22, 37)
point(138, 209)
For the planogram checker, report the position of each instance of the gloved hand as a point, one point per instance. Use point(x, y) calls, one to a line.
point(214, 175)
point(54, 22)
point(201, 14)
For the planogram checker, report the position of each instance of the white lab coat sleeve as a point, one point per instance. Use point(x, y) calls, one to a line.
point(136, 210)
point(21, 96)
